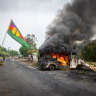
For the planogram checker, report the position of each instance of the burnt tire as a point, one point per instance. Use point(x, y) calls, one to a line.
point(52, 67)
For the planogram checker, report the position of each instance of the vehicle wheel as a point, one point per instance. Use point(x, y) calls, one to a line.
point(52, 67)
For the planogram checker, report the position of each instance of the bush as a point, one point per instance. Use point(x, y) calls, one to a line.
point(89, 52)
point(1, 62)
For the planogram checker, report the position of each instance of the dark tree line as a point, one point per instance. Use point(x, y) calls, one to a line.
point(89, 52)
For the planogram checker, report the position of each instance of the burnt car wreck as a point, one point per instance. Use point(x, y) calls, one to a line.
point(55, 60)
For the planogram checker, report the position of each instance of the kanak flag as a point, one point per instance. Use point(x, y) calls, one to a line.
point(14, 32)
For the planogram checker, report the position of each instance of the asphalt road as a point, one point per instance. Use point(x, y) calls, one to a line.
point(18, 79)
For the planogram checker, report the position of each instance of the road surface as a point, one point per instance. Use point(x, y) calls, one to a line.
point(17, 79)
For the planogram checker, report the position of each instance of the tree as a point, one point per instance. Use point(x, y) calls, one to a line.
point(6, 52)
point(25, 52)
point(22, 51)
point(89, 52)
point(31, 40)
point(3, 52)
point(13, 53)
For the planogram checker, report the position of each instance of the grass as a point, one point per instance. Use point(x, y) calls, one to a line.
point(82, 72)
point(35, 64)
point(1, 63)
point(92, 63)
point(1, 57)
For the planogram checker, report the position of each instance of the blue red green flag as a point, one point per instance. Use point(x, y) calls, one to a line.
point(14, 32)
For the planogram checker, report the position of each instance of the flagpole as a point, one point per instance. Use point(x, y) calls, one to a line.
point(4, 38)
point(6, 34)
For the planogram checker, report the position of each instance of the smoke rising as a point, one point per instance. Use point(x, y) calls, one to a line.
point(73, 23)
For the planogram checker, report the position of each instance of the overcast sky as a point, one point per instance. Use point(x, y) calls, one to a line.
point(30, 16)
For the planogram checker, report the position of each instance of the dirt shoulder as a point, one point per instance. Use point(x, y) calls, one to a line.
point(30, 62)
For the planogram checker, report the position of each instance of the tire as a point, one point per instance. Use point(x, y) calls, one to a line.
point(52, 67)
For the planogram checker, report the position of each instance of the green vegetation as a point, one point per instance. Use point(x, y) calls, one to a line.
point(35, 64)
point(13, 53)
point(0, 57)
point(1, 63)
point(23, 51)
point(92, 63)
point(3, 51)
point(82, 72)
point(89, 52)
point(6, 52)
point(31, 40)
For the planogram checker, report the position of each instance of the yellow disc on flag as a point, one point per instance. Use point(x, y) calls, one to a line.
point(15, 32)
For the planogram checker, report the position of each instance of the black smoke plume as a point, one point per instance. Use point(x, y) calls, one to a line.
point(73, 23)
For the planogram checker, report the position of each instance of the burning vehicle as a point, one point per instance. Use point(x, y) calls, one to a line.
point(72, 29)
point(54, 61)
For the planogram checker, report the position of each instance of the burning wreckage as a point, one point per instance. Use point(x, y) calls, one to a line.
point(57, 60)
point(72, 29)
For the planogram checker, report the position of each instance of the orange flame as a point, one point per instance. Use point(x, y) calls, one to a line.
point(61, 58)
